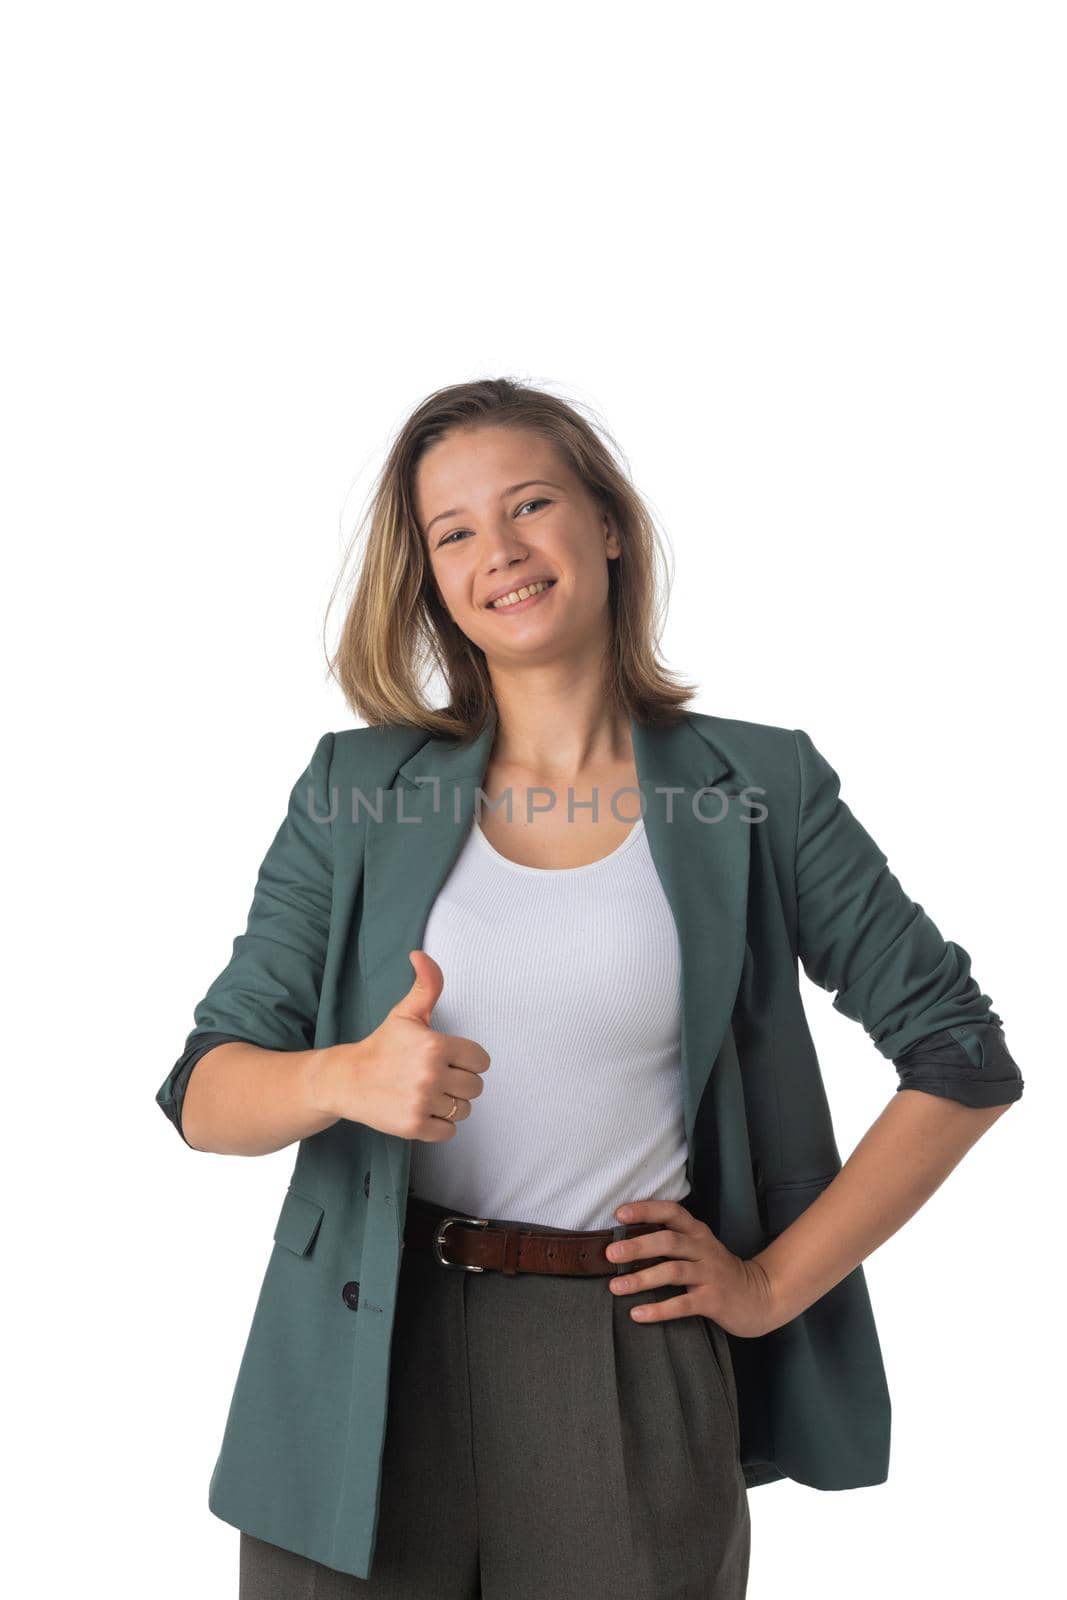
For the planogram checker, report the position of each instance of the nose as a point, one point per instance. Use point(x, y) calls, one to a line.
point(503, 548)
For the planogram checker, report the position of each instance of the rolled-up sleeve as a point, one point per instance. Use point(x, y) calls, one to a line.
point(887, 963)
point(268, 992)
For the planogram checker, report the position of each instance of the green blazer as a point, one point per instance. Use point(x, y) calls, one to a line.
point(766, 872)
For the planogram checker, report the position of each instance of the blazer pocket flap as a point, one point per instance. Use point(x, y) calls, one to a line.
point(784, 1202)
point(298, 1222)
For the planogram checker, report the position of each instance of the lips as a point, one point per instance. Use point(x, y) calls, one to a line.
point(492, 604)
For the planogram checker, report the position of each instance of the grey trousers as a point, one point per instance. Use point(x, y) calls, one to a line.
point(542, 1445)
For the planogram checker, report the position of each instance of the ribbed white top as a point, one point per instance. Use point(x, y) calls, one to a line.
point(570, 978)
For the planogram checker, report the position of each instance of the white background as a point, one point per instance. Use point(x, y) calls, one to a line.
point(807, 263)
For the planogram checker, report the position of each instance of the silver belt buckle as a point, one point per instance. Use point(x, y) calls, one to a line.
point(438, 1240)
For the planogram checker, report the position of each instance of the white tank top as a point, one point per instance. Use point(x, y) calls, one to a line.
point(570, 978)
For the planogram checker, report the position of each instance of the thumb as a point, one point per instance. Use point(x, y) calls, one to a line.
point(425, 992)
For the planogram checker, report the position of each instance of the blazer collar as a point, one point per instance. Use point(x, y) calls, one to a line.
point(702, 866)
point(662, 755)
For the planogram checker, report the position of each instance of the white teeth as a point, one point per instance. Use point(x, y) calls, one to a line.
point(518, 594)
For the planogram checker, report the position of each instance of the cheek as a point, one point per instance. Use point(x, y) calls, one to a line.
point(591, 581)
point(455, 592)
point(449, 591)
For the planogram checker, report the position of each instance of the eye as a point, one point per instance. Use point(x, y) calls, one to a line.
point(462, 532)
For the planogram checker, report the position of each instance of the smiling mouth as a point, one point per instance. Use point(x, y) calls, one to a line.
point(517, 596)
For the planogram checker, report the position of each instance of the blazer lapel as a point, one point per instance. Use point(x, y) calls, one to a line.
point(702, 866)
point(408, 854)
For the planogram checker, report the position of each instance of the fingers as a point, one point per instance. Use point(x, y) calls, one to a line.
point(442, 1123)
point(665, 1310)
point(664, 1270)
point(462, 1108)
point(464, 1053)
point(449, 1065)
point(644, 1246)
point(425, 991)
point(418, 1004)
point(465, 1086)
point(458, 1081)
point(672, 1213)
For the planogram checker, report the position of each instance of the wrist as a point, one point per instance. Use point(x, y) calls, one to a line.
point(320, 1080)
point(778, 1308)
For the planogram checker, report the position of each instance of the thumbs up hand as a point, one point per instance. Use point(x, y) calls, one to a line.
point(401, 1077)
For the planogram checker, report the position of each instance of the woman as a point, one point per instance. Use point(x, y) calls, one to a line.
point(520, 976)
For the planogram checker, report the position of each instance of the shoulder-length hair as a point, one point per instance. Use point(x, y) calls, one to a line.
point(396, 630)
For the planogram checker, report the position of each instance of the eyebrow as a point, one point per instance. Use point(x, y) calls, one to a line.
point(457, 511)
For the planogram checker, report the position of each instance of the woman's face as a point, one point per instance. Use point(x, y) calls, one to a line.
point(498, 510)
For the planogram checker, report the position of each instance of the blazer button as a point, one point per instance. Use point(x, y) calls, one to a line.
point(350, 1295)
point(366, 1184)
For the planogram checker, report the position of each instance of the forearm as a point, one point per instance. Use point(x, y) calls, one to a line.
point(247, 1101)
point(897, 1165)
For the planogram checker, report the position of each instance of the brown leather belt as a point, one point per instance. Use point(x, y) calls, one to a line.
point(477, 1243)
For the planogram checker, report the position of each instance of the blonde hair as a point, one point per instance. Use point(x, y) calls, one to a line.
point(396, 628)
